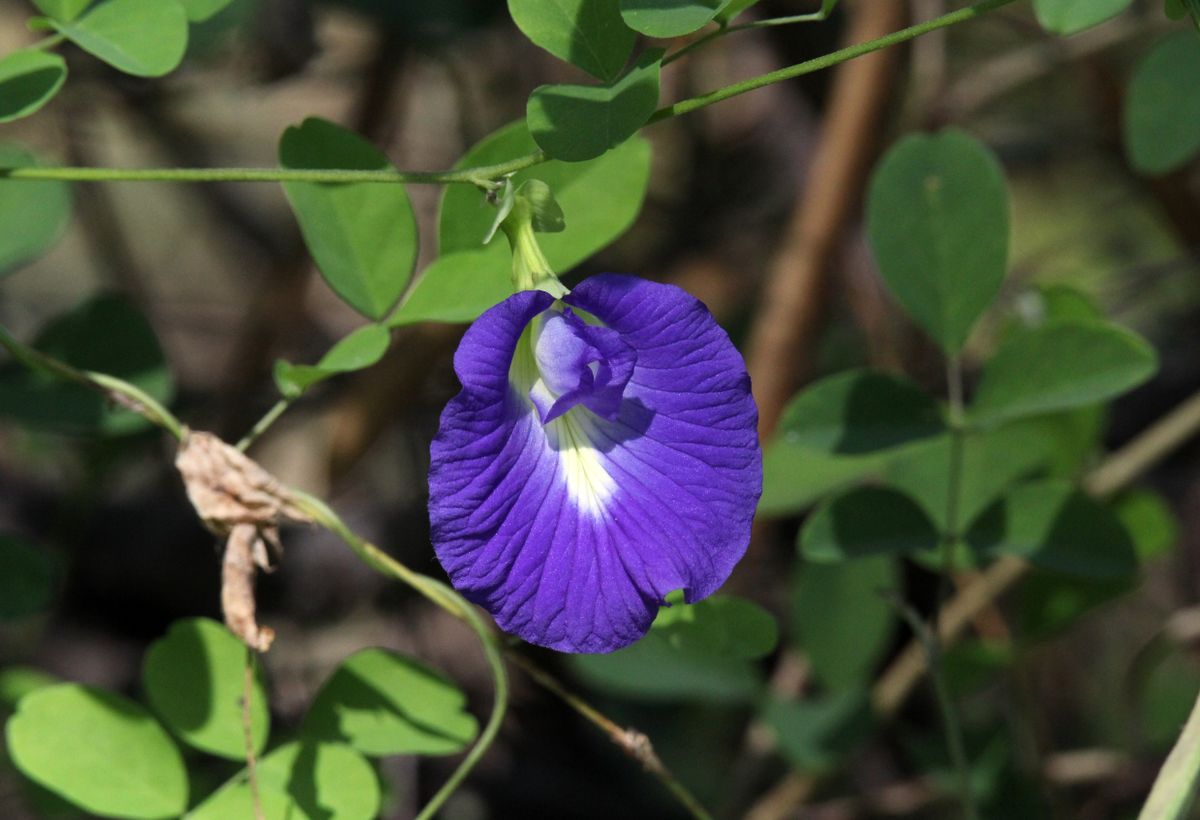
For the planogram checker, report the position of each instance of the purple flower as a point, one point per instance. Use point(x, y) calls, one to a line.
point(601, 454)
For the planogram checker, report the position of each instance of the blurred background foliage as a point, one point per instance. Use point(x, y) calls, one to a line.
point(1072, 689)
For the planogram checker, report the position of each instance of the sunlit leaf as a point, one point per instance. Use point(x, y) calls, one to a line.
point(29, 80)
point(587, 33)
point(383, 703)
point(63, 10)
point(146, 38)
point(363, 235)
point(301, 781)
point(794, 477)
point(99, 751)
point(193, 680)
point(866, 521)
point(361, 349)
point(1072, 16)
point(574, 123)
point(668, 18)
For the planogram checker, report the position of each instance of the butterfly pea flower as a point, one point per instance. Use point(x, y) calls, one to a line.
point(601, 454)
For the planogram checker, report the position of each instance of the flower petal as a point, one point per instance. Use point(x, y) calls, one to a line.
point(572, 533)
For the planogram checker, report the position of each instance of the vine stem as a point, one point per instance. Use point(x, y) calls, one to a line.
point(486, 176)
point(930, 635)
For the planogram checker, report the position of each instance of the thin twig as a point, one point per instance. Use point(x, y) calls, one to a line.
point(248, 733)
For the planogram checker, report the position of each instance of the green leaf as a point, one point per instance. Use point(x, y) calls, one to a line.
point(586, 33)
point(200, 10)
point(1162, 110)
point(794, 477)
point(18, 681)
point(193, 680)
point(816, 733)
point(62, 10)
point(101, 752)
point(937, 217)
point(841, 622)
point(1060, 366)
point(363, 236)
point(1147, 517)
point(29, 80)
point(703, 651)
point(866, 521)
point(991, 461)
point(599, 200)
point(859, 412)
point(361, 349)
point(574, 123)
point(1072, 16)
point(731, 9)
point(27, 578)
point(309, 781)
point(1055, 526)
point(146, 38)
point(129, 351)
point(669, 18)
point(33, 213)
point(382, 703)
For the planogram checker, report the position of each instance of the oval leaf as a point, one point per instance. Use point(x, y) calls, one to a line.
point(63, 10)
point(27, 578)
point(1162, 110)
point(33, 213)
point(1053, 525)
point(1059, 366)
point(361, 349)
point(363, 236)
point(574, 123)
point(795, 477)
point(193, 680)
point(587, 33)
point(101, 752)
point(383, 703)
point(841, 621)
point(29, 80)
point(599, 199)
point(1071, 16)
point(816, 733)
point(701, 651)
point(859, 412)
point(937, 216)
point(669, 18)
point(146, 38)
point(130, 351)
point(991, 461)
point(866, 521)
point(309, 781)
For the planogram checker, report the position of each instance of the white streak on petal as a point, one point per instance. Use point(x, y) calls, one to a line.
point(589, 484)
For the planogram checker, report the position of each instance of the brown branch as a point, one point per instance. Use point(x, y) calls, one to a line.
point(797, 286)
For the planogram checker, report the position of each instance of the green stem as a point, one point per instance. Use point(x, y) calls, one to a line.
point(482, 176)
point(950, 541)
point(812, 17)
point(114, 389)
point(834, 58)
point(447, 599)
point(263, 424)
point(486, 176)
